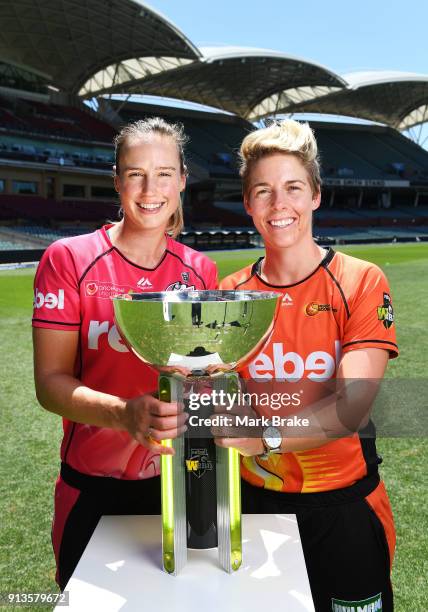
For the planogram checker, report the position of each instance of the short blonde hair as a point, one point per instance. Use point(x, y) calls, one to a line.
point(288, 136)
point(156, 125)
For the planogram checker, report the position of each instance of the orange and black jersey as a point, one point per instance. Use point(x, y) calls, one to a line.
point(344, 305)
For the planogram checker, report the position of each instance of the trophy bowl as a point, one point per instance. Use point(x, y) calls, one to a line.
point(195, 329)
point(197, 338)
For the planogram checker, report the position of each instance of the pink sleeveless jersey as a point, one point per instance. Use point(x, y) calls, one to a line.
point(74, 283)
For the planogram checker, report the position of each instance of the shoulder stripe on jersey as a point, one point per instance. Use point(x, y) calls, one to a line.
point(254, 269)
point(336, 282)
point(187, 266)
point(329, 256)
point(79, 282)
point(55, 322)
point(370, 340)
point(131, 263)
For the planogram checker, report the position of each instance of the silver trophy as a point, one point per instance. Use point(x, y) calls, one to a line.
point(196, 339)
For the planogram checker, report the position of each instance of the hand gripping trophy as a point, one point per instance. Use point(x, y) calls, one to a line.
point(196, 339)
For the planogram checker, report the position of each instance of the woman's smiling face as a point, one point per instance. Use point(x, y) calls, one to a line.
point(280, 199)
point(149, 181)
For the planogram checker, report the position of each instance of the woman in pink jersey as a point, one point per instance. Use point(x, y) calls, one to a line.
point(335, 322)
point(83, 372)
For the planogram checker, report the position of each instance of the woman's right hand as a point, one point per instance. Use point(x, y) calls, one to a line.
point(149, 421)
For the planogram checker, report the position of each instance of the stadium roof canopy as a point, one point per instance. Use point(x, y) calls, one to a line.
point(96, 47)
point(66, 42)
point(398, 99)
point(240, 80)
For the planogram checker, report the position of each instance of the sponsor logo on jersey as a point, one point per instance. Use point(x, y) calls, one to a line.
point(287, 300)
point(371, 604)
point(144, 283)
point(385, 312)
point(49, 300)
point(199, 462)
point(97, 329)
point(314, 308)
point(91, 288)
point(105, 289)
point(185, 277)
point(179, 286)
point(292, 367)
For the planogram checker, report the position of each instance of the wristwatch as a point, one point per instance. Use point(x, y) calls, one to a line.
point(272, 440)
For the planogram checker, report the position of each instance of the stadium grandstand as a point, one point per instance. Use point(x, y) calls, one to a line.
point(68, 82)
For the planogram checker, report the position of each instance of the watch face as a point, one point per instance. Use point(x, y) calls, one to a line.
point(272, 437)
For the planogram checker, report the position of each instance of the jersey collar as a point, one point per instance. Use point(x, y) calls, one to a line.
point(255, 270)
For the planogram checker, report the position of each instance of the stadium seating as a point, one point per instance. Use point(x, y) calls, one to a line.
point(7, 245)
point(50, 119)
point(213, 143)
point(368, 152)
point(363, 156)
point(38, 209)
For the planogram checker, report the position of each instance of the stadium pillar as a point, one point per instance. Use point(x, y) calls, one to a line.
point(331, 201)
point(360, 198)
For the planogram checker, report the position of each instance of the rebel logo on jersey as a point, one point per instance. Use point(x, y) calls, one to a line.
point(290, 366)
point(49, 300)
point(97, 329)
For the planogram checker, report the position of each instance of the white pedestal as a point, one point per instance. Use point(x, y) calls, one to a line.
point(121, 570)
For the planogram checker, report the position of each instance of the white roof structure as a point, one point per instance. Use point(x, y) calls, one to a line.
point(398, 99)
point(97, 47)
point(376, 77)
point(67, 42)
point(238, 80)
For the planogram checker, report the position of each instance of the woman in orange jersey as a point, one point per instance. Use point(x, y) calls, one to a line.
point(335, 325)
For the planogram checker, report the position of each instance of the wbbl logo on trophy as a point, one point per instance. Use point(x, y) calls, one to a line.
point(199, 462)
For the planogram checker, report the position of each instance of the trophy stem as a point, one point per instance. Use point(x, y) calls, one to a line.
point(229, 496)
point(173, 491)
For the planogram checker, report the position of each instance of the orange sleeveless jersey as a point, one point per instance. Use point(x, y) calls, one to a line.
point(344, 305)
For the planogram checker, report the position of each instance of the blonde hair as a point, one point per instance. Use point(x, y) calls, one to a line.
point(288, 136)
point(156, 125)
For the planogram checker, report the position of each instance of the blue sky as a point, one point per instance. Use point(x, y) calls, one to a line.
point(343, 36)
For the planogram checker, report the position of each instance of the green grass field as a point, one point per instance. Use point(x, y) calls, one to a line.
point(30, 436)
